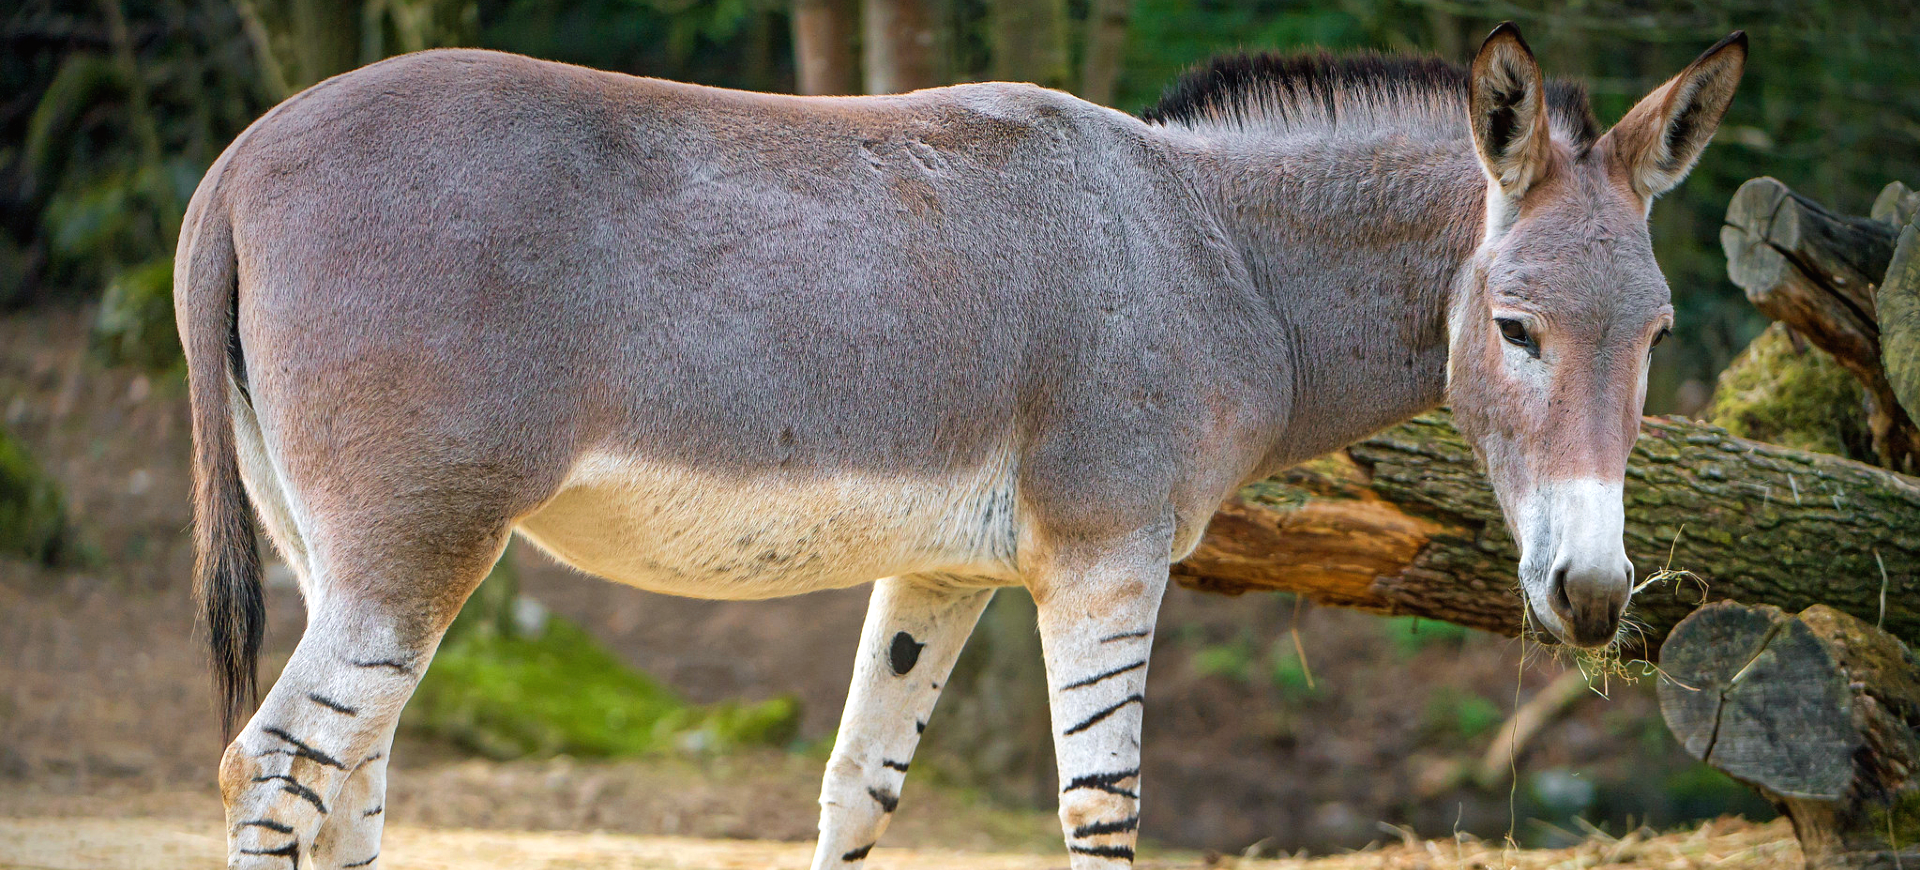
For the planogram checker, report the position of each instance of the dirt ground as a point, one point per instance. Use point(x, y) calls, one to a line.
point(89, 843)
point(105, 711)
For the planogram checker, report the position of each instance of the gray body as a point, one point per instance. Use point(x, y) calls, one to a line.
point(737, 345)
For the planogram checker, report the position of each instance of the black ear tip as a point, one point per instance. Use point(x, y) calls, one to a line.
point(1506, 30)
point(1736, 39)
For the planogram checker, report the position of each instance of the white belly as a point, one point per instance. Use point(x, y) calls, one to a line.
point(762, 535)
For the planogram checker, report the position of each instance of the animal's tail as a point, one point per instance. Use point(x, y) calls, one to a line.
point(227, 560)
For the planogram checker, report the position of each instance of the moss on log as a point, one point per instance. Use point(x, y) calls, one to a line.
point(1404, 522)
point(1783, 390)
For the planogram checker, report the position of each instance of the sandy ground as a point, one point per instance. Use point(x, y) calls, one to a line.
point(148, 844)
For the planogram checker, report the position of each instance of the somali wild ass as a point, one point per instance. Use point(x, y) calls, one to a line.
point(739, 345)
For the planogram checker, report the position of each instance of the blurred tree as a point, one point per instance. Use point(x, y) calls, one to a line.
point(823, 47)
point(1029, 41)
point(1106, 43)
point(902, 42)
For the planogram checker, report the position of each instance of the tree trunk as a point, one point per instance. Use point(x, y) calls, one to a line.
point(1404, 522)
point(1029, 41)
point(1816, 271)
point(1818, 712)
point(1106, 47)
point(902, 46)
point(823, 46)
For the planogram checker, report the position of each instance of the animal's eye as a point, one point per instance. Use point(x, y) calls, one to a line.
point(1516, 334)
point(1661, 336)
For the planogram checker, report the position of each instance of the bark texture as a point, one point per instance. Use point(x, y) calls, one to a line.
point(1899, 303)
point(1404, 522)
point(823, 47)
point(1817, 271)
point(1817, 711)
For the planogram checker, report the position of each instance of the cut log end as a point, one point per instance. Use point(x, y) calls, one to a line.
point(1817, 711)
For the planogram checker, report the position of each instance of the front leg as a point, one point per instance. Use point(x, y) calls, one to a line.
point(1096, 612)
point(915, 629)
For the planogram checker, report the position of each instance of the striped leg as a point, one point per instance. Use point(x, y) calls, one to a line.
point(914, 631)
point(1096, 628)
point(302, 776)
point(350, 837)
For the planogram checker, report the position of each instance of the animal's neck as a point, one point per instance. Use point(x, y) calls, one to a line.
point(1356, 243)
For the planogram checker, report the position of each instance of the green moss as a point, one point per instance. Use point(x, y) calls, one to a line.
point(504, 697)
point(1784, 391)
point(33, 521)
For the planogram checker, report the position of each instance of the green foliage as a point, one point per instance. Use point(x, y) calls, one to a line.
point(1784, 391)
point(134, 325)
point(1458, 715)
point(33, 520)
point(1228, 661)
point(1411, 634)
point(1288, 674)
point(505, 696)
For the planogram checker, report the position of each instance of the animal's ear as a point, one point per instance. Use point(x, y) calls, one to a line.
point(1508, 108)
point(1657, 143)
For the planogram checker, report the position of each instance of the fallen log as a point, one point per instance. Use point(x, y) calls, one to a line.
point(1817, 711)
point(1817, 271)
point(1403, 522)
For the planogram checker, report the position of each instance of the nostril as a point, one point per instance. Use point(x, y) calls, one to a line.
point(1561, 602)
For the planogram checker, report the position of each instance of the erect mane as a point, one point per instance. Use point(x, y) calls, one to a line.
point(1360, 91)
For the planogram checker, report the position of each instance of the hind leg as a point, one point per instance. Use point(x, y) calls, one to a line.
point(913, 634)
point(304, 782)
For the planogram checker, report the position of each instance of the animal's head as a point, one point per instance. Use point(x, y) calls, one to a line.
point(1551, 333)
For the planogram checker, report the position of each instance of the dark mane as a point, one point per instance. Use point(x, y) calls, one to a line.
point(1320, 89)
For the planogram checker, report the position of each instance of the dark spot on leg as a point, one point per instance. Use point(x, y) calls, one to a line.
point(904, 654)
point(374, 812)
point(896, 765)
point(376, 857)
point(887, 800)
point(859, 854)
point(919, 726)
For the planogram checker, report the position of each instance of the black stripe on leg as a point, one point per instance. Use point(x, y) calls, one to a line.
point(302, 750)
point(1126, 635)
point(859, 854)
point(919, 726)
point(374, 812)
point(1124, 853)
point(1095, 719)
point(293, 787)
point(896, 765)
point(269, 824)
point(290, 851)
point(1107, 782)
point(389, 664)
point(886, 799)
point(376, 857)
point(333, 705)
point(1098, 677)
point(1095, 829)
